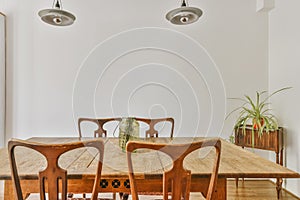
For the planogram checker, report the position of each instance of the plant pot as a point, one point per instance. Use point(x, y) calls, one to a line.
point(272, 140)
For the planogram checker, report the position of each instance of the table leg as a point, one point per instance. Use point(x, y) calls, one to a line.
point(277, 157)
point(8, 190)
point(281, 157)
point(9, 193)
point(221, 193)
point(237, 179)
point(279, 187)
point(279, 180)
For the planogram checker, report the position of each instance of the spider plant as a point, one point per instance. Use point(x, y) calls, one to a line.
point(255, 113)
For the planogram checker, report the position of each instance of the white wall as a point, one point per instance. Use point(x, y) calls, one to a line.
point(2, 80)
point(284, 71)
point(44, 61)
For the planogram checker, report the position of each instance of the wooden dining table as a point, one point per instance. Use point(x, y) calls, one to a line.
point(81, 164)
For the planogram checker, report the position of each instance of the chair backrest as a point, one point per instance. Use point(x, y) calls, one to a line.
point(151, 132)
point(177, 178)
point(100, 132)
point(53, 175)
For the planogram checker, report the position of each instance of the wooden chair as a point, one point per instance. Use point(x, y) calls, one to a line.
point(53, 172)
point(152, 132)
point(101, 132)
point(177, 178)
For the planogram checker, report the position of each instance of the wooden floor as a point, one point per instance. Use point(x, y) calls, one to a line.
point(251, 189)
point(247, 190)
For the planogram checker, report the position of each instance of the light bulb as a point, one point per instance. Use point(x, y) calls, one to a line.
point(57, 20)
point(184, 19)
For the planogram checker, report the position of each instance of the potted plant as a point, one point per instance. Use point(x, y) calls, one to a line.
point(254, 115)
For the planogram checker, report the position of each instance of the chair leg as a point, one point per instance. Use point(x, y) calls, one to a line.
point(70, 195)
point(125, 196)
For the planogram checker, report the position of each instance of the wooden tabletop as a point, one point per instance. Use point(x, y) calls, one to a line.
point(235, 161)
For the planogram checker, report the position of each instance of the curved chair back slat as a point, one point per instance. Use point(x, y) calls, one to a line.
point(101, 132)
point(53, 174)
point(177, 178)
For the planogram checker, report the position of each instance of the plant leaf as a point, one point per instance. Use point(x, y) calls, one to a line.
point(285, 88)
point(236, 109)
point(250, 101)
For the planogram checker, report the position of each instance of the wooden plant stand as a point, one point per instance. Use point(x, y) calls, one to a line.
point(272, 141)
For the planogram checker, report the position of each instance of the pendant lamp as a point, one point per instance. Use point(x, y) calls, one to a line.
point(184, 15)
point(56, 15)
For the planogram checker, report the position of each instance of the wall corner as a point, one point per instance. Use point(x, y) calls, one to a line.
point(264, 5)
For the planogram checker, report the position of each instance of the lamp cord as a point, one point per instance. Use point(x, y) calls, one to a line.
point(184, 3)
point(57, 4)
